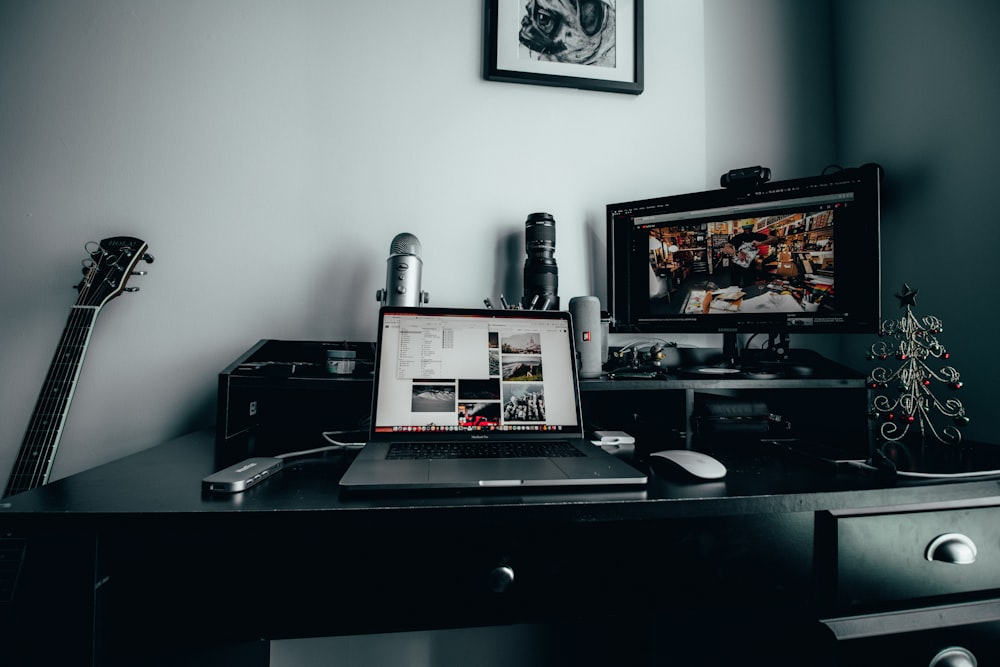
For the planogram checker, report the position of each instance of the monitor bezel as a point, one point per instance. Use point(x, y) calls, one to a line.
point(861, 246)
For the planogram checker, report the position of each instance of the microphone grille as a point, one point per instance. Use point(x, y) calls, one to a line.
point(405, 244)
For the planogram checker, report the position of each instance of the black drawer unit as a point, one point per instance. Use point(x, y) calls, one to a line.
point(878, 557)
point(966, 635)
point(911, 585)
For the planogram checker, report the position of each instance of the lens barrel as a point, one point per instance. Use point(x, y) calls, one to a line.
point(541, 275)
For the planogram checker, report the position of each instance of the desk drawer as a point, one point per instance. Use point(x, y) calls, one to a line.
point(894, 554)
point(943, 636)
point(300, 580)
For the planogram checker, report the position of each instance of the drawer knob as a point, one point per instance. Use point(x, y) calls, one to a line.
point(955, 656)
point(501, 578)
point(952, 548)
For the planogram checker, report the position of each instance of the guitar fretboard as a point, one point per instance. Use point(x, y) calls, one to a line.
point(34, 461)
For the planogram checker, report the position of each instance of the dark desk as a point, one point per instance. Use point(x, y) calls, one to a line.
point(129, 561)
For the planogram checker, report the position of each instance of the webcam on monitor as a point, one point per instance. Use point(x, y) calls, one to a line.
point(747, 177)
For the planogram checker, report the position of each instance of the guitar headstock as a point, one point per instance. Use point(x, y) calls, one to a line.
point(111, 264)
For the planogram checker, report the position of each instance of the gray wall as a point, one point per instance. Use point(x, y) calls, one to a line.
point(910, 84)
point(268, 152)
point(769, 87)
point(917, 91)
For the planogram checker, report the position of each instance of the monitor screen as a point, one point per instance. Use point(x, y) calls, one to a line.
point(782, 257)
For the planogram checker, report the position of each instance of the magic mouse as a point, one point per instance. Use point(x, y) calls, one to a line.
point(694, 463)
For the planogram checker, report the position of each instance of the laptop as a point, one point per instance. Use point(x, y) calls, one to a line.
point(478, 399)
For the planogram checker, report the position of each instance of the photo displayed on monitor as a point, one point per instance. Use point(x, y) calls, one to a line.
point(792, 256)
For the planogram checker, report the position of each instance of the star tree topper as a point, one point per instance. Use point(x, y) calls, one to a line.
point(907, 296)
point(914, 406)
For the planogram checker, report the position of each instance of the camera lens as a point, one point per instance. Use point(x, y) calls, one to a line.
point(541, 275)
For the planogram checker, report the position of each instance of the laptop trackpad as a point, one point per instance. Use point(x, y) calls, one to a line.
point(464, 470)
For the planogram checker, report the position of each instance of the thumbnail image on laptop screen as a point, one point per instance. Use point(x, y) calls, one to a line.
point(458, 373)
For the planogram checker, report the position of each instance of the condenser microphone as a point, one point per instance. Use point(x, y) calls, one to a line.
point(402, 273)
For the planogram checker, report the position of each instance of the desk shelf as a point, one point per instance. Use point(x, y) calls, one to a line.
point(279, 389)
point(831, 409)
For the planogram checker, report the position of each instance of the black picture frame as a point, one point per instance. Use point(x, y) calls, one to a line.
point(504, 57)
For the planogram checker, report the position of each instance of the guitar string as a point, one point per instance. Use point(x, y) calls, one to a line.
point(27, 467)
point(43, 436)
point(64, 374)
point(78, 331)
point(56, 410)
point(52, 408)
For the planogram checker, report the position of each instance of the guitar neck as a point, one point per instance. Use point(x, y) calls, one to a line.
point(34, 460)
point(105, 275)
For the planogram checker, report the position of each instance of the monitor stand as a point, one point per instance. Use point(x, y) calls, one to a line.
point(731, 349)
point(773, 361)
point(730, 362)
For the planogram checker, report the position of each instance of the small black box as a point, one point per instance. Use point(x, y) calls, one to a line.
point(279, 396)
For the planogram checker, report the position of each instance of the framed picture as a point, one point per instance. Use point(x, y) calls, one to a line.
point(589, 44)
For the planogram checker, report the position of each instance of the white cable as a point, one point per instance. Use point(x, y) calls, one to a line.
point(948, 475)
point(929, 475)
point(335, 445)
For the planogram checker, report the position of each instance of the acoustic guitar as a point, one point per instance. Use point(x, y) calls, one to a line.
point(105, 275)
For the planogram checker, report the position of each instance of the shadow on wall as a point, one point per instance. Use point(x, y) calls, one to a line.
point(508, 278)
point(597, 252)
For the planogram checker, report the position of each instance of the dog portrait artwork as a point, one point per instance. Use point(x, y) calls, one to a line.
point(583, 44)
point(579, 32)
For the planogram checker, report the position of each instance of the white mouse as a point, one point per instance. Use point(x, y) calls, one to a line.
point(694, 463)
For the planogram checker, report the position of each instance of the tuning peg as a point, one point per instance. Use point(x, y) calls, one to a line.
point(131, 289)
point(148, 258)
point(139, 273)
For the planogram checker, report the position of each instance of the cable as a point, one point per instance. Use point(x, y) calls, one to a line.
point(335, 445)
point(904, 451)
point(634, 345)
point(949, 475)
point(881, 466)
point(632, 356)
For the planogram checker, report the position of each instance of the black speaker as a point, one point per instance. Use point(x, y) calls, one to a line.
point(586, 313)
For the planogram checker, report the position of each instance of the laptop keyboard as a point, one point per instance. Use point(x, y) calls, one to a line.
point(481, 450)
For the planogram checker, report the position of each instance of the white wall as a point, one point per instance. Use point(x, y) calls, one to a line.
point(268, 152)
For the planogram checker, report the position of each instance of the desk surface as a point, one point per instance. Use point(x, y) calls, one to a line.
point(116, 550)
point(167, 480)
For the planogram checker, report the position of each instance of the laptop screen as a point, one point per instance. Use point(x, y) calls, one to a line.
point(489, 371)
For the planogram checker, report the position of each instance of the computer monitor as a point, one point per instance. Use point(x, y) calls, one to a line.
point(796, 256)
